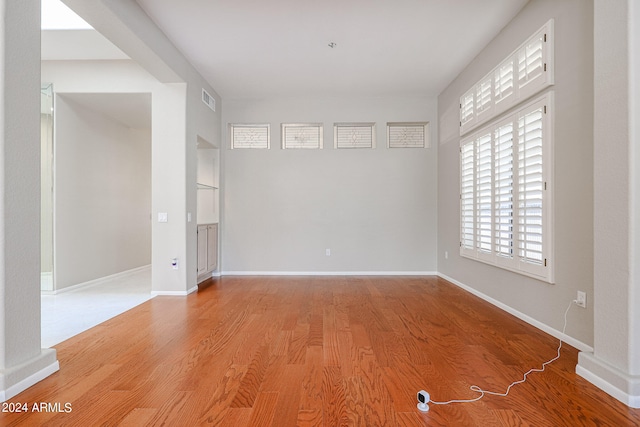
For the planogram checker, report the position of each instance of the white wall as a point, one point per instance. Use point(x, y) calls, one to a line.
point(102, 194)
point(573, 186)
point(375, 209)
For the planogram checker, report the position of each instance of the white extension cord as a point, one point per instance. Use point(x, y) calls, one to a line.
point(424, 398)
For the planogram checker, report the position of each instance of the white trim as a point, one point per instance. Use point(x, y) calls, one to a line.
point(587, 366)
point(530, 320)
point(208, 276)
point(175, 293)
point(328, 273)
point(98, 281)
point(46, 281)
point(31, 379)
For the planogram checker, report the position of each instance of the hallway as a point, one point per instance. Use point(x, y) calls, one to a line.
point(69, 313)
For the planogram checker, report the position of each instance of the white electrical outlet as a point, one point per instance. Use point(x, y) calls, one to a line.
point(581, 299)
point(327, 252)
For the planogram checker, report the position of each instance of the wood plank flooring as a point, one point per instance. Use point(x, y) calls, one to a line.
point(314, 351)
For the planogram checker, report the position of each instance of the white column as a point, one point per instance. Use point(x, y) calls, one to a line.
point(169, 192)
point(614, 365)
point(22, 361)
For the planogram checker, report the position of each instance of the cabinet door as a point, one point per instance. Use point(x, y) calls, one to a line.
point(202, 248)
point(212, 247)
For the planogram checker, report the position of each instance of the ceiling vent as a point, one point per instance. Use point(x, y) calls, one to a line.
point(209, 100)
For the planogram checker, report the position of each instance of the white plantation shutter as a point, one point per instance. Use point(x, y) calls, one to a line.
point(505, 198)
point(467, 110)
point(503, 190)
point(249, 135)
point(523, 73)
point(530, 187)
point(302, 135)
point(467, 202)
point(535, 62)
point(484, 174)
point(503, 82)
point(530, 61)
point(484, 99)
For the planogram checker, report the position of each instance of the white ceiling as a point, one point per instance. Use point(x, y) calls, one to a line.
point(257, 48)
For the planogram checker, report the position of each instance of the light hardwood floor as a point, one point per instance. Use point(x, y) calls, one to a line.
point(315, 351)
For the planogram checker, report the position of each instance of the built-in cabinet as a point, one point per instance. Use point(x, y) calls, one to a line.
point(208, 208)
point(207, 250)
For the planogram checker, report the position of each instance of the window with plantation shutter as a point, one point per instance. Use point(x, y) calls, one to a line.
point(505, 192)
point(249, 136)
point(522, 74)
point(354, 135)
point(302, 135)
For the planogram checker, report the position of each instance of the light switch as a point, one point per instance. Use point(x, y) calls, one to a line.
point(163, 217)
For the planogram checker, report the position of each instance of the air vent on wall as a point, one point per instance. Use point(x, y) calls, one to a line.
point(209, 100)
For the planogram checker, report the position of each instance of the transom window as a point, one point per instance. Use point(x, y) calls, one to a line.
point(408, 135)
point(302, 135)
point(243, 135)
point(354, 135)
point(525, 72)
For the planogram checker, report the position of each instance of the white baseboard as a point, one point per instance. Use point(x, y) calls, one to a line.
point(208, 276)
point(46, 281)
point(16, 380)
point(175, 293)
point(530, 320)
point(99, 280)
point(328, 273)
point(617, 384)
